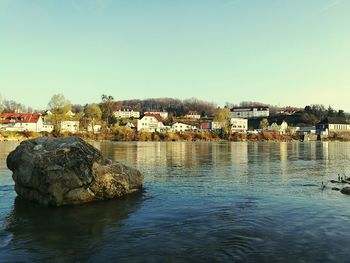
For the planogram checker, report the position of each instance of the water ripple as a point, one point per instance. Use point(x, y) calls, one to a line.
point(5, 238)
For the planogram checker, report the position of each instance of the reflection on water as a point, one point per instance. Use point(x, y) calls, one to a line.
point(205, 202)
point(66, 231)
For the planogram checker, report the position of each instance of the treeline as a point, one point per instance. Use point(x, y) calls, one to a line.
point(313, 114)
point(104, 109)
point(7, 106)
point(176, 107)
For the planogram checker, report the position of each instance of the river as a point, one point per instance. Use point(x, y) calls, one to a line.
point(202, 202)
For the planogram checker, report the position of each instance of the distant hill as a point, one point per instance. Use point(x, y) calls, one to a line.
point(176, 107)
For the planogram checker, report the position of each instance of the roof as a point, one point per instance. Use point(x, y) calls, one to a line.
point(334, 120)
point(6, 118)
point(157, 116)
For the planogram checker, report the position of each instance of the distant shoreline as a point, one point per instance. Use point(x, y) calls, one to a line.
point(167, 137)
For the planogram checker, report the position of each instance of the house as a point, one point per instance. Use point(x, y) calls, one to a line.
point(332, 125)
point(182, 127)
point(250, 112)
point(151, 123)
point(70, 126)
point(217, 125)
point(193, 115)
point(239, 125)
point(287, 111)
point(130, 125)
point(207, 125)
point(304, 129)
point(94, 128)
point(126, 114)
point(24, 122)
point(162, 114)
point(282, 128)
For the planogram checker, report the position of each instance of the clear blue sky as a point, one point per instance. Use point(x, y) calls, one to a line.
point(283, 52)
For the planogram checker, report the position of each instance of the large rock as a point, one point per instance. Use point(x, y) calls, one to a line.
point(61, 171)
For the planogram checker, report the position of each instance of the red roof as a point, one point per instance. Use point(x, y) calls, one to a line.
point(19, 118)
point(157, 116)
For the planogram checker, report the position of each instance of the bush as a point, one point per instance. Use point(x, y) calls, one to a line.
point(121, 133)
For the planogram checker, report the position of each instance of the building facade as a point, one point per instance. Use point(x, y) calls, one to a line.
point(250, 112)
point(217, 125)
point(126, 114)
point(193, 115)
point(24, 122)
point(70, 126)
point(151, 123)
point(239, 125)
point(332, 125)
point(182, 127)
point(94, 128)
point(281, 129)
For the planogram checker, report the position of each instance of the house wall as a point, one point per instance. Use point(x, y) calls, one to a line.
point(193, 116)
point(39, 126)
point(149, 123)
point(331, 129)
point(239, 124)
point(250, 113)
point(339, 127)
point(126, 114)
point(216, 125)
point(181, 127)
point(94, 128)
point(70, 126)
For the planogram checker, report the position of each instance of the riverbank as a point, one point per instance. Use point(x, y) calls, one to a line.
point(125, 134)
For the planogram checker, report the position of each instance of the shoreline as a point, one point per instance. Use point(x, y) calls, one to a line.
point(169, 137)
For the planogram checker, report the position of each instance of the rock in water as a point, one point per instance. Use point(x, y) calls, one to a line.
point(345, 190)
point(62, 171)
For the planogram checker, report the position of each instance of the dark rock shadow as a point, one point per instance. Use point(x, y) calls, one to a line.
point(68, 232)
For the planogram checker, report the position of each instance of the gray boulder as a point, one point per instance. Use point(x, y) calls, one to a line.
point(62, 171)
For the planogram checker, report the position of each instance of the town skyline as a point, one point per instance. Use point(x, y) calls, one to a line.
point(228, 104)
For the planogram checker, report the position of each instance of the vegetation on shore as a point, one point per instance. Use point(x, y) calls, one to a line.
point(127, 134)
point(114, 129)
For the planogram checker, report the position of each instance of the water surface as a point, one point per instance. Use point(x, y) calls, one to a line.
point(203, 202)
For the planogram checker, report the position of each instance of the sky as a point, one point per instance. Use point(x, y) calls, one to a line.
point(282, 52)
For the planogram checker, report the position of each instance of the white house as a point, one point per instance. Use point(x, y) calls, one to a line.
point(151, 123)
point(239, 125)
point(279, 128)
point(250, 112)
point(332, 125)
point(24, 122)
point(193, 115)
point(217, 125)
point(126, 114)
point(182, 127)
point(94, 128)
point(47, 127)
point(162, 114)
point(70, 126)
point(305, 129)
point(130, 125)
